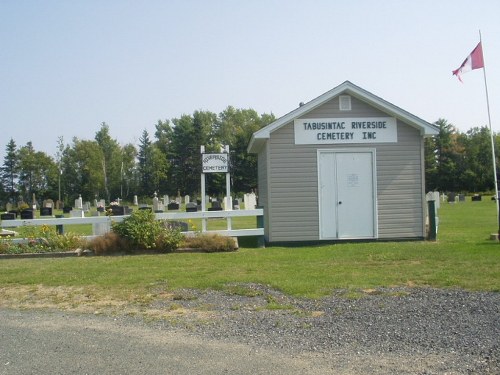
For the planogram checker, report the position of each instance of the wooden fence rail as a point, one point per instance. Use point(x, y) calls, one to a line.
point(102, 224)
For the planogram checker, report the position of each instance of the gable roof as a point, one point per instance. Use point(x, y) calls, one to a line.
point(426, 129)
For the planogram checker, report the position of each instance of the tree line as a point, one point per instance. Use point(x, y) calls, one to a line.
point(169, 161)
point(460, 162)
point(166, 162)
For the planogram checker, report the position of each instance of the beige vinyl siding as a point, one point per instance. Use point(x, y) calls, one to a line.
point(263, 188)
point(400, 181)
point(292, 180)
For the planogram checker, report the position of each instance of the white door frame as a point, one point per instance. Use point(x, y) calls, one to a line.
point(374, 190)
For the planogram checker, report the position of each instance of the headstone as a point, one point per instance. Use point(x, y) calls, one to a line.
point(461, 197)
point(178, 200)
point(45, 211)
point(67, 209)
point(187, 199)
point(476, 198)
point(191, 207)
point(216, 206)
point(9, 207)
point(48, 203)
point(86, 207)
point(79, 202)
point(184, 227)
point(27, 215)
point(100, 209)
point(136, 200)
point(155, 203)
point(117, 210)
point(101, 203)
point(236, 204)
point(451, 197)
point(166, 201)
point(7, 216)
point(173, 206)
point(13, 212)
point(75, 212)
point(250, 201)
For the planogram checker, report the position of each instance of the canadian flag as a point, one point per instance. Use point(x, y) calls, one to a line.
point(473, 61)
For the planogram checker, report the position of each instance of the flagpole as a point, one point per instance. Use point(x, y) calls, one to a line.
point(492, 142)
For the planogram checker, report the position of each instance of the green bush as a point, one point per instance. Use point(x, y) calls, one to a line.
point(140, 228)
point(169, 239)
point(143, 231)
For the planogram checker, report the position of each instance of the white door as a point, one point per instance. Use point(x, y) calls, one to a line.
point(347, 194)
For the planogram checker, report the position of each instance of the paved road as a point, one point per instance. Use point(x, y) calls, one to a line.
point(34, 342)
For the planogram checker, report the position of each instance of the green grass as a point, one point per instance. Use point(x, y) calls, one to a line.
point(463, 257)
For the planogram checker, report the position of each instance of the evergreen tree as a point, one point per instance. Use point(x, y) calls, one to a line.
point(38, 173)
point(10, 170)
point(145, 165)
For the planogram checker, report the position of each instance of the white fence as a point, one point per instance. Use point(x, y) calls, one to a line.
point(102, 224)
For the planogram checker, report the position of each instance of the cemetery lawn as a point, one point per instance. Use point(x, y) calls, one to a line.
point(463, 257)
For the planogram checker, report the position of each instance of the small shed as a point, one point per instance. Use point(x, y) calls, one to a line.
point(347, 165)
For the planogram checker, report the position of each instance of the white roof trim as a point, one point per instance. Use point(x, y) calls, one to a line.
point(426, 128)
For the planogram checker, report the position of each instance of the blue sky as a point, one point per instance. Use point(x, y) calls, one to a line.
point(68, 66)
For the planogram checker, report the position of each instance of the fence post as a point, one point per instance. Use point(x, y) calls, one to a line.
point(260, 224)
point(59, 227)
point(432, 220)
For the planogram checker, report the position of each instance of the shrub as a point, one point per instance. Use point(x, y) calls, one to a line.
point(143, 231)
point(210, 243)
point(169, 239)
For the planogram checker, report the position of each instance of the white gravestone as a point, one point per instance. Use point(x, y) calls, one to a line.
point(79, 203)
point(76, 212)
point(155, 203)
point(250, 201)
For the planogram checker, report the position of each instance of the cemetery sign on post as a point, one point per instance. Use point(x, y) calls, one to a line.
point(215, 163)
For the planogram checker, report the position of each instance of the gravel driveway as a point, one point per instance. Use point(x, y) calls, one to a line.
point(252, 329)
